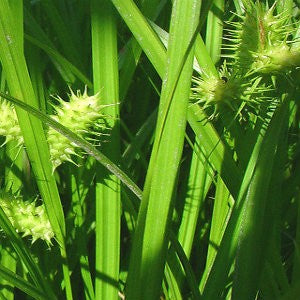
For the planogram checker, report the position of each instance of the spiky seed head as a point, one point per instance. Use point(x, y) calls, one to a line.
point(261, 41)
point(26, 217)
point(9, 125)
point(217, 90)
point(78, 115)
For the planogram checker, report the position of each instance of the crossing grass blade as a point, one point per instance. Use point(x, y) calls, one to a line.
point(132, 51)
point(61, 61)
point(158, 58)
point(143, 33)
point(215, 151)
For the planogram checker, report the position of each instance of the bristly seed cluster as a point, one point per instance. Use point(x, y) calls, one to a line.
point(27, 218)
point(260, 45)
point(80, 114)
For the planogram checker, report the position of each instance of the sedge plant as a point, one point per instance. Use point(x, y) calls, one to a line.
point(149, 149)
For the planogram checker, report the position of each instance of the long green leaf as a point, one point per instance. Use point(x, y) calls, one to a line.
point(214, 30)
point(252, 236)
point(14, 66)
point(218, 276)
point(108, 209)
point(150, 241)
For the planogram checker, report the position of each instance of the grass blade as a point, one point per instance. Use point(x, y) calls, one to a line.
point(214, 30)
point(218, 276)
point(150, 243)
point(143, 33)
point(252, 236)
point(14, 66)
point(108, 209)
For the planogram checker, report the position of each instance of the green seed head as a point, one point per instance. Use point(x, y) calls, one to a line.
point(9, 126)
point(78, 115)
point(27, 218)
point(216, 91)
point(261, 41)
point(279, 58)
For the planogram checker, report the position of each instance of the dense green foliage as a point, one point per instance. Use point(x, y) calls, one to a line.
point(149, 149)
